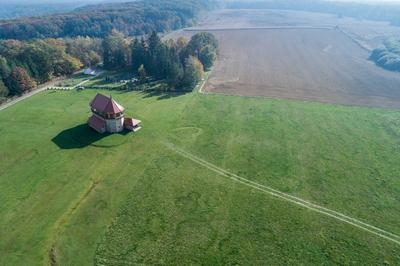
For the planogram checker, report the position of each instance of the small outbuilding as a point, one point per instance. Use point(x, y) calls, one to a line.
point(108, 116)
point(132, 124)
point(89, 71)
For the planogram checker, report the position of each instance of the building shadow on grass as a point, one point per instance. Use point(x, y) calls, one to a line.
point(160, 95)
point(82, 136)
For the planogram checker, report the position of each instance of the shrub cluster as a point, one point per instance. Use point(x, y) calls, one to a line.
point(388, 56)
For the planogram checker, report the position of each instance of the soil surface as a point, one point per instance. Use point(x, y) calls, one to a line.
point(306, 64)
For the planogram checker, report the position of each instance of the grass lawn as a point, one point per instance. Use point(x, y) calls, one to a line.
point(110, 80)
point(74, 80)
point(72, 197)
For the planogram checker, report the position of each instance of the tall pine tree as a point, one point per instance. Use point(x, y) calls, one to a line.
point(115, 51)
point(138, 53)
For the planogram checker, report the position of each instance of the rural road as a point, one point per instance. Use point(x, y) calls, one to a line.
point(29, 94)
point(80, 84)
point(41, 88)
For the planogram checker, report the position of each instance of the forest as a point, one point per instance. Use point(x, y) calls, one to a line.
point(12, 10)
point(132, 18)
point(180, 63)
point(388, 56)
point(25, 64)
point(36, 50)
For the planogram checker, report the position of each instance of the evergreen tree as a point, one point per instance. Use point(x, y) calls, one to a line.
point(154, 42)
point(174, 73)
point(142, 73)
point(138, 53)
point(173, 65)
point(115, 51)
point(145, 51)
point(154, 57)
point(164, 58)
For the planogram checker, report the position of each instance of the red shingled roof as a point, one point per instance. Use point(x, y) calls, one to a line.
point(131, 122)
point(106, 105)
point(97, 123)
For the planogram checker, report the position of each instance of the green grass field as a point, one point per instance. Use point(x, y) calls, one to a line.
point(71, 197)
point(74, 80)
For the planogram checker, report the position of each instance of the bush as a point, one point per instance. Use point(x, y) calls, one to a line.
point(388, 57)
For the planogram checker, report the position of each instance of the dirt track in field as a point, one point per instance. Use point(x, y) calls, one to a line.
point(304, 64)
point(289, 198)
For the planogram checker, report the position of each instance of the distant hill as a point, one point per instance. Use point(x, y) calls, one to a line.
point(33, 8)
point(365, 10)
point(17, 10)
point(131, 18)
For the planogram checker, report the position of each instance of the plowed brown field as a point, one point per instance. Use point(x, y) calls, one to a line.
point(307, 64)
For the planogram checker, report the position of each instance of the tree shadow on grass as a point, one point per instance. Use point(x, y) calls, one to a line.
point(83, 136)
point(162, 95)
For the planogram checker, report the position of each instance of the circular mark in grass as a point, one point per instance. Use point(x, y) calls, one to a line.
point(188, 202)
point(186, 133)
point(108, 145)
point(101, 205)
point(194, 236)
point(156, 223)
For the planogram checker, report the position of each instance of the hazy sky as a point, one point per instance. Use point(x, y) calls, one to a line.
point(93, 1)
point(48, 1)
point(370, 1)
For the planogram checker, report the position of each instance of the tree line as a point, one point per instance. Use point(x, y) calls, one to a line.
point(24, 64)
point(35, 50)
point(180, 63)
point(388, 56)
point(132, 18)
point(12, 10)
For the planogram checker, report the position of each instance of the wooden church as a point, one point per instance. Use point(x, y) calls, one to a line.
point(108, 116)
